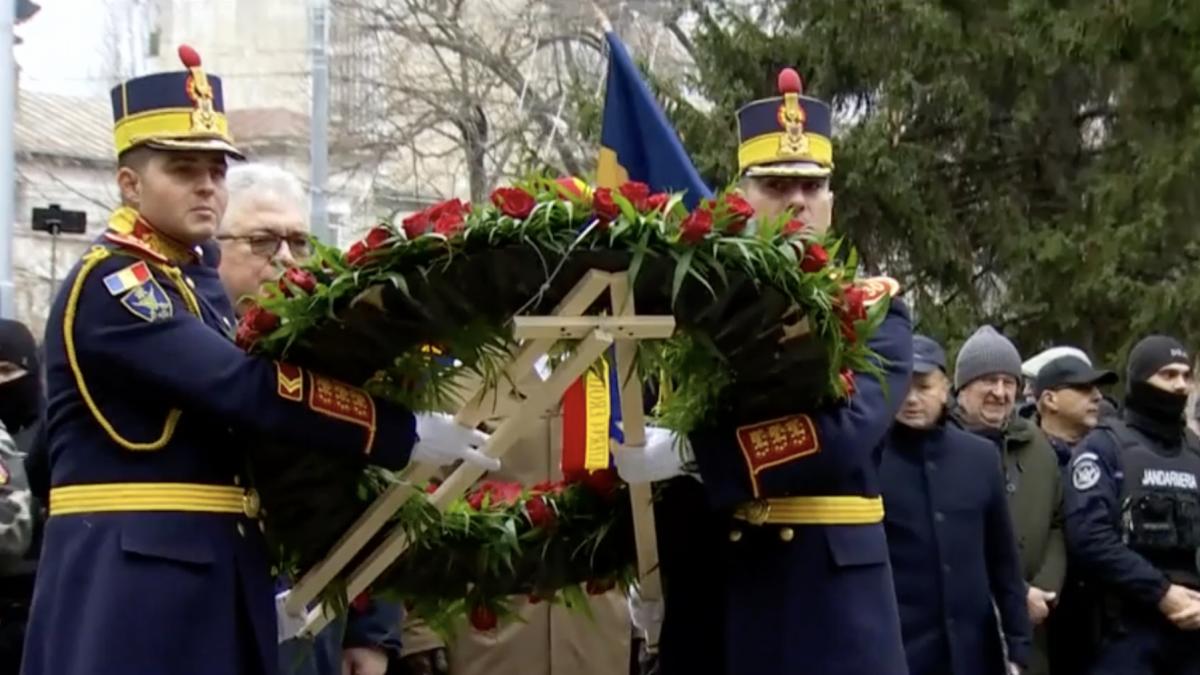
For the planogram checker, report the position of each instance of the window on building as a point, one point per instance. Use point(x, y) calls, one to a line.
point(153, 43)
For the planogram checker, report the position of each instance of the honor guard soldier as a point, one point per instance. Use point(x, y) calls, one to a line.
point(1133, 519)
point(152, 559)
point(799, 580)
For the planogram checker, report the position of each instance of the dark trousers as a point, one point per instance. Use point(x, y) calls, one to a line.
point(15, 596)
point(1149, 645)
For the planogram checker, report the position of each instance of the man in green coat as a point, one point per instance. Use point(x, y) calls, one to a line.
point(987, 376)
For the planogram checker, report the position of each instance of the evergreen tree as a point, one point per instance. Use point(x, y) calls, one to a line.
point(1027, 163)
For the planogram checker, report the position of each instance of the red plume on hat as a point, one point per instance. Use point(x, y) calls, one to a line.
point(789, 82)
point(189, 56)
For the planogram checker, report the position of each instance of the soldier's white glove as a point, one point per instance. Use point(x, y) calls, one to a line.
point(646, 615)
point(664, 456)
point(287, 625)
point(444, 441)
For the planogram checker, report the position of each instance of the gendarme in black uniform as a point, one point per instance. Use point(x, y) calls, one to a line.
point(1133, 519)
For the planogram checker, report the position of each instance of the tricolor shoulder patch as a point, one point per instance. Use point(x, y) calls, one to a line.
point(768, 444)
point(877, 288)
point(130, 277)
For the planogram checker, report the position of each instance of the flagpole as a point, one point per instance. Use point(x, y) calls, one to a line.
point(649, 588)
point(602, 17)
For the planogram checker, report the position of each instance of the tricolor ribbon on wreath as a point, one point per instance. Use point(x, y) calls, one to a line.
point(591, 410)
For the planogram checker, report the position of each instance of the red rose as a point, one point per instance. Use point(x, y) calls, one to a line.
point(696, 226)
point(539, 512)
point(475, 499)
point(656, 201)
point(548, 487)
point(456, 206)
point(602, 483)
point(302, 279)
point(513, 202)
point(599, 586)
point(448, 224)
point(361, 602)
point(793, 226)
point(482, 618)
point(854, 303)
point(246, 336)
point(416, 225)
point(357, 253)
point(377, 237)
point(506, 494)
point(815, 258)
point(260, 320)
point(847, 376)
point(740, 210)
point(602, 201)
point(447, 217)
point(498, 494)
point(637, 193)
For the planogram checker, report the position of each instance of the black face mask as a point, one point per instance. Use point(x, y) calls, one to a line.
point(20, 399)
point(1162, 407)
point(19, 402)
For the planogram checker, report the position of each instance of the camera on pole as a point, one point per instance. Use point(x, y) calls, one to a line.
point(55, 220)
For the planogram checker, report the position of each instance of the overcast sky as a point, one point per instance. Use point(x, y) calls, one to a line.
point(63, 49)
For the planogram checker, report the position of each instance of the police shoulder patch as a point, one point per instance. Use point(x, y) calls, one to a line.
point(1085, 471)
point(149, 302)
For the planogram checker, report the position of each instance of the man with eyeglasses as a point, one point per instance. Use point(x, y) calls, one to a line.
point(265, 229)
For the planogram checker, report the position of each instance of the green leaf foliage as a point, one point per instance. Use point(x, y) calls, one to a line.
point(1030, 164)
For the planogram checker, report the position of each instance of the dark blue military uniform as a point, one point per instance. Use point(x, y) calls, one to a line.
point(809, 587)
point(1128, 479)
point(800, 581)
point(153, 561)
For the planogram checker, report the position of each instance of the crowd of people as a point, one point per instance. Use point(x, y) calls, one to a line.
point(1052, 530)
point(1000, 516)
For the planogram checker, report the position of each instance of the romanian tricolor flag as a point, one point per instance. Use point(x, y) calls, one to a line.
point(637, 142)
point(131, 277)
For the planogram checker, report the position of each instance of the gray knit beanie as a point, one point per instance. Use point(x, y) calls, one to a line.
point(985, 353)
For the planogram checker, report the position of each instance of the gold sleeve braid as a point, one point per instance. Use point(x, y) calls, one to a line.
point(90, 261)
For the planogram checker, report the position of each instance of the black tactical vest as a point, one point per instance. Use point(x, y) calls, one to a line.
point(1160, 502)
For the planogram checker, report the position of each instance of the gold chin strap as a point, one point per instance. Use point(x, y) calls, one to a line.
point(90, 260)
